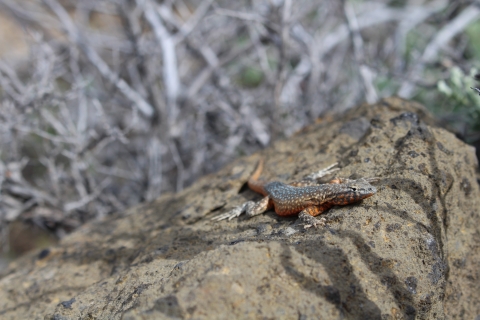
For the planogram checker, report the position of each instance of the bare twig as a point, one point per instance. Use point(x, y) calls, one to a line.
point(381, 14)
point(155, 150)
point(206, 73)
point(281, 71)
point(53, 175)
point(240, 15)
point(179, 164)
point(188, 26)
point(365, 72)
point(170, 71)
point(70, 206)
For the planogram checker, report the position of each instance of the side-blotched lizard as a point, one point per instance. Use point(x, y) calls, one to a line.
point(307, 197)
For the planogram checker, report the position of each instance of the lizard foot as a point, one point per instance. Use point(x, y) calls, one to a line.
point(235, 212)
point(310, 221)
point(322, 173)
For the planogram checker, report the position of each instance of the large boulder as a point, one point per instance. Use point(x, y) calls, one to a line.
point(411, 251)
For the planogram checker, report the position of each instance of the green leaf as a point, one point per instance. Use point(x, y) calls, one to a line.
point(251, 77)
point(444, 88)
point(456, 76)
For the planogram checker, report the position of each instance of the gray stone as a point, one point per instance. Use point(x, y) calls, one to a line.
point(409, 252)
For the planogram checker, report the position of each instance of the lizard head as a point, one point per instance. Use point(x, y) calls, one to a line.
point(352, 191)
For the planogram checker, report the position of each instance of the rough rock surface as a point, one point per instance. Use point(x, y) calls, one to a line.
point(409, 252)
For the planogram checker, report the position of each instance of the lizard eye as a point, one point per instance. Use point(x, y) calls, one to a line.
point(353, 188)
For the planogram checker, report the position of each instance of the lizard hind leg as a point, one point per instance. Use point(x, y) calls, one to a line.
point(338, 180)
point(312, 179)
point(250, 208)
point(235, 212)
point(256, 208)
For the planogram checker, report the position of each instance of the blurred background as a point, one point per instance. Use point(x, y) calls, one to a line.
point(108, 103)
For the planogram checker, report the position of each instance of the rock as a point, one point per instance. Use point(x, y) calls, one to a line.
point(409, 252)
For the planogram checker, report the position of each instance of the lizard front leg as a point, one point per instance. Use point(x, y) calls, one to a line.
point(256, 208)
point(322, 173)
point(308, 215)
point(250, 208)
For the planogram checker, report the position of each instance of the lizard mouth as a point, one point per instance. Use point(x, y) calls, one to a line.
point(370, 192)
point(365, 193)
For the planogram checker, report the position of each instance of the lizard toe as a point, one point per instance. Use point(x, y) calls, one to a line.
point(235, 212)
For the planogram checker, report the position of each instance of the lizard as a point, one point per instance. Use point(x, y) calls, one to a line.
point(306, 197)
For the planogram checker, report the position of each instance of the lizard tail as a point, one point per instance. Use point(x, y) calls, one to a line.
point(254, 182)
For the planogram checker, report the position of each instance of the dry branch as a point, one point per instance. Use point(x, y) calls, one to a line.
point(97, 61)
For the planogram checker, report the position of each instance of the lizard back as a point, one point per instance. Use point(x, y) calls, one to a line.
point(290, 200)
